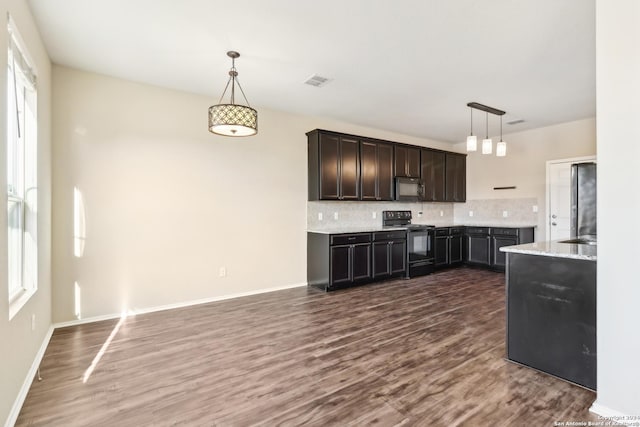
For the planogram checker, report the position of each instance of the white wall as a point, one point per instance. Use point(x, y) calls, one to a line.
point(525, 163)
point(618, 109)
point(19, 343)
point(166, 203)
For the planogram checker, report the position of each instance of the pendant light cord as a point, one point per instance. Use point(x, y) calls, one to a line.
point(471, 111)
point(487, 137)
point(233, 78)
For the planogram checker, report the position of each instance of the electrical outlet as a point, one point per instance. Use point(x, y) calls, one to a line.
point(33, 322)
point(441, 213)
point(335, 215)
point(470, 213)
point(319, 216)
point(223, 272)
point(373, 215)
point(505, 214)
point(419, 214)
point(535, 208)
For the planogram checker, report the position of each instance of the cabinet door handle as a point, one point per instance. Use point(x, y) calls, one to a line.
point(553, 223)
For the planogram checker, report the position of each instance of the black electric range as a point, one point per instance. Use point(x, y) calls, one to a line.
point(420, 242)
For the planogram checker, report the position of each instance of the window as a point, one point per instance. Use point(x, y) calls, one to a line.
point(22, 197)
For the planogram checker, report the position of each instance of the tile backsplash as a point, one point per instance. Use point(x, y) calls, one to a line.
point(360, 214)
point(485, 212)
point(492, 212)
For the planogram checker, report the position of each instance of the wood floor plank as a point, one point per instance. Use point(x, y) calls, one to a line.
point(425, 351)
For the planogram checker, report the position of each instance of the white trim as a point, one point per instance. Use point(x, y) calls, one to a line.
point(26, 385)
point(12, 28)
point(546, 185)
point(20, 300)
point(612, 414)
point(175, 305)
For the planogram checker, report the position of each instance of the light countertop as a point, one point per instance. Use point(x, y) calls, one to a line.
point(351, 229)
point(343, 229)
point(556, 249)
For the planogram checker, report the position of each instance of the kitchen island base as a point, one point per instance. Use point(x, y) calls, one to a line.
point(551, 315)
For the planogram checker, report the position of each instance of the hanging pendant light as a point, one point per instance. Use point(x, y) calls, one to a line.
point(472, 140)
point(233, 119)
point(487, 144)
point(501, 147)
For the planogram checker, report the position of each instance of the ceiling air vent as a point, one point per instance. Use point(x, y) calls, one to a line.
point(515, 122)
point(317, 81)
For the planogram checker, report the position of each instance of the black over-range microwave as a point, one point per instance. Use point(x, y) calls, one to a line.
point(409, 189)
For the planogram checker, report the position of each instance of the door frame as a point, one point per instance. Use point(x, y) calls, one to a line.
point(583, 159)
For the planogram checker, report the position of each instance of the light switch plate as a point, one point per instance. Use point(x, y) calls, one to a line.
point(535, 208)
point(505, 214)
point(470, 213)
point(373, 215)
point(335, 215)
point(319, 216)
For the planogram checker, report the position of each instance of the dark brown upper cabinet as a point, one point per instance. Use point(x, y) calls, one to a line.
point(455, 177)
point(349, 167)
point(433, 175)
point(376, 159)
point(334, 167)
point(407, 161)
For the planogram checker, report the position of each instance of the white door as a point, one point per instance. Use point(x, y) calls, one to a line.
point(559, 201)
point(559, 197)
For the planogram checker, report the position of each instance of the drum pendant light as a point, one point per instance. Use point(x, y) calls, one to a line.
point(233, 119)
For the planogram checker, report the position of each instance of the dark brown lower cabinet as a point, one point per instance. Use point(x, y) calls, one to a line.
point(350, 264)
point(499, 259)
point(477, 246)
point(448, 246)
point(389, 254)
point(482, 244)
point(337, 261)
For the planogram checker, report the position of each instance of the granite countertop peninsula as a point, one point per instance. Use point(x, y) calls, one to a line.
point(556, 249)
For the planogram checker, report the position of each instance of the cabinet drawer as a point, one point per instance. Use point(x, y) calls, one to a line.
point(456, 230)
point(478, 230)
point(349, 239)
point(389, 235)
point(504, 231)
point(442, 231)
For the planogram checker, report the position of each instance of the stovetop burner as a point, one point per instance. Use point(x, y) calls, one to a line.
point(401, 219)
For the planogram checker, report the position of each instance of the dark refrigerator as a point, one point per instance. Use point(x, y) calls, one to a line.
point(583, 201)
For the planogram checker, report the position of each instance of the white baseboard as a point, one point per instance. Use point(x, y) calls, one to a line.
point(26, 385)
point(175, 305)
point(612, 414)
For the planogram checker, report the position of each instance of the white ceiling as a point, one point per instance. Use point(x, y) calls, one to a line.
point(408, 66)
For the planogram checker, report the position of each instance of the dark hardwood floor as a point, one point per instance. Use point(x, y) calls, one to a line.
point(425, 352)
